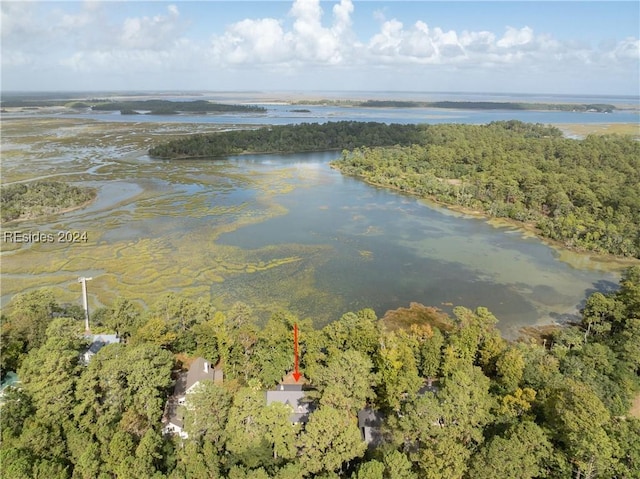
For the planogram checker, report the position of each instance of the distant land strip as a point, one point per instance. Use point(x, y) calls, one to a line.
point(470, 105)
point(134, 107)
point(156, 106)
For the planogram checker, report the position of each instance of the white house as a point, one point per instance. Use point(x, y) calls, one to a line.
point(186, 384)
point(97, 342)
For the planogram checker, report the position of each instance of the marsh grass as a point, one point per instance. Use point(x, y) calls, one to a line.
point(163, 238)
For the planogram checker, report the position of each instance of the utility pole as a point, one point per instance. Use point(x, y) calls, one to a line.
point(85, 302)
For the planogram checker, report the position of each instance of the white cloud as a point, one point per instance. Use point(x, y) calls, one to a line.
point(151, 33)
point(514, 37)
point(253, 41)
point(265, 41)
point(313, 39)
point(627, 49)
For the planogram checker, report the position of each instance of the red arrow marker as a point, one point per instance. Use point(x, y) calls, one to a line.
point(296, 372)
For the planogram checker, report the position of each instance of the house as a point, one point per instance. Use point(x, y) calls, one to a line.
point(200, 370)
point(97, 342)
point(370, 424)
point(292, 394)
point(370, 420)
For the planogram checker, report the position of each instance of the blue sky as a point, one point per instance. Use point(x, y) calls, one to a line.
point(528, 47)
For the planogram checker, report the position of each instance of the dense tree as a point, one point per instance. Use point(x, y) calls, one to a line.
point(205, 415)
point(123, 317)
point(398, 377)
point(578, 418)
point(517, 170)
point(247, 443)
point(25, 328)
point(41, 198)
point(287, 138)
point(496, 409)
point(330, 439)
point(49, 373)
point(510, 369)
point(521, 452)
point(346, 383)
point(431, 354)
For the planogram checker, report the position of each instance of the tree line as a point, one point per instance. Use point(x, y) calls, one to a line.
point(582, 193)
point(496, 409)
point(157, 107)
point(41, 198)
point(289, 138)
point(489, 105)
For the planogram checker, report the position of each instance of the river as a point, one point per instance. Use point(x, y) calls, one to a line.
point(281, 232)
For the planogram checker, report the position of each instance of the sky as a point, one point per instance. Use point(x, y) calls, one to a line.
point(574, 47)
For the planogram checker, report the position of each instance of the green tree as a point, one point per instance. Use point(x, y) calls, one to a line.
point(431, 355)
point(358, 331)
point(205, 415)
point(272, 356)
point(578, 418)
point(330, 439)
point(246, 441)
point(442, 458)
point(398, 372)
point(31, 314)
point(195, 462)
point(521, 452)
point(372, 469)
point(346, 382)
point(49, 373)
point(510, 369)
point(17, 407)
point(155, 331)
point(279, 433)
point(147, 456)
point(122, 317)
point(397, 466)
point(120, 455)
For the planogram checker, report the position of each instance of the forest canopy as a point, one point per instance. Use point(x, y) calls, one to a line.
point(160, 107)
point(454, 403)
point(583, 193)
point(40, 198)
point(289, 138)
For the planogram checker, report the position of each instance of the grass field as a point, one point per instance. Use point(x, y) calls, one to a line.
point(584, 129)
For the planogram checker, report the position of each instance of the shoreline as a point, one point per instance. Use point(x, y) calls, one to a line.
point(56, 213)
point(527, 229)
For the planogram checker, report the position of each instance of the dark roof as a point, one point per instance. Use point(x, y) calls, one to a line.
point(428, 389)
point(200, 370)
point(99, 341)
point(370, 422)
point(174, 414)
point(294, 397)
point(370, 418)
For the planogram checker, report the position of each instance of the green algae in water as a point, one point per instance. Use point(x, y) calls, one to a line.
point(273, 232)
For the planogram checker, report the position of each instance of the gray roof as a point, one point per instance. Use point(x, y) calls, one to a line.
point(200, 370)
point(370, 418)
point(293, 396)
point(370, 422)
point(174, 414)
point(98, 341)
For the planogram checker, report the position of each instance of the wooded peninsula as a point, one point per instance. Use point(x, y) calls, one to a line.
point(583, 193)
point(22, 201)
